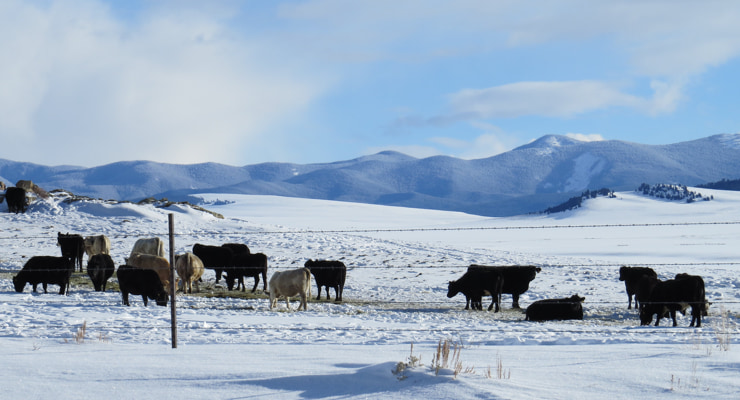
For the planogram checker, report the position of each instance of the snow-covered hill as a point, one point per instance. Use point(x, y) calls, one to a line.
point(530, 178)
point(399, 262)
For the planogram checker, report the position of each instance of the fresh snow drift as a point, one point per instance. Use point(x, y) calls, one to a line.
point(399, 262)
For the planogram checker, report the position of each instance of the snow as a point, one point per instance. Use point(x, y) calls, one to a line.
point(399, 262)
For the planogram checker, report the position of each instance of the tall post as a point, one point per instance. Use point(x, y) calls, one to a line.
point(173, 285)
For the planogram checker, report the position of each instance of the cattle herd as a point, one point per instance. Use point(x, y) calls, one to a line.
point(146, 272)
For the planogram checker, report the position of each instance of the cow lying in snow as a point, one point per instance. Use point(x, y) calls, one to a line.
point(328, 274)
point(296, 282)
point(144, 282)
point(556, 309)
point(189, 269)
point(100, 267)
point(45, 270)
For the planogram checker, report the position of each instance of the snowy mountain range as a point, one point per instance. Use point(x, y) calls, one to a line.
point(527, 179)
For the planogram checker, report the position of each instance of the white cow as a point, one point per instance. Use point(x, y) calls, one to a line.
point(189, 269)
point(97, 245)
point(154, 246)
point(296, 282)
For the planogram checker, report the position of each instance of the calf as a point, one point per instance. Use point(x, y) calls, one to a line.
point(631, 276)
point(144, 282)
point(72, 246)
point(296, 282)
point(556, 309)
point(671, 296)
point(189, 269)
point(217, 258)
point(100, 267)
point(158, 264)
point(45, 270)
point(476, 283)
point(516, 278)
point(249, 265)
point(328, 274)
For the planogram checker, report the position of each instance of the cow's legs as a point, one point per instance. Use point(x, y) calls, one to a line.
point(515, 302)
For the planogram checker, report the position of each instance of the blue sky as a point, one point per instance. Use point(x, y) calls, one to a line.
point(90, 82)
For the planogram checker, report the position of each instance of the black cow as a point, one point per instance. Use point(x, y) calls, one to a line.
point(556, 309)
point(644, 288)
point(145, 282)
point(237, 248)
point(329, 274)
point(671, 296)
point(516, 278)
point(700, 282)
point(249, 265)
point(476, 283)
point(100, 267)
point(72, 246)
point(16, 198)
point(217, 258)
point(45, 270)
point(631, 276)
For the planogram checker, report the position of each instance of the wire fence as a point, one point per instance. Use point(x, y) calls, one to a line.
point(421, 306)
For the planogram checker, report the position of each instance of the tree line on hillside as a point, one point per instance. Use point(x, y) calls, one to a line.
point(575, 202)
point(724, 184)
point(672, 192)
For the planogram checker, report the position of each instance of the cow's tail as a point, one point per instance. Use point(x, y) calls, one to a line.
point(307, 272)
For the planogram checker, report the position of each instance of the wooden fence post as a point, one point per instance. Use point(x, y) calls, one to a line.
point(173, 285)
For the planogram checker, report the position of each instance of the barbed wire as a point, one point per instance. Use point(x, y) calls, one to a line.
point(386, 230)
point(504, 327)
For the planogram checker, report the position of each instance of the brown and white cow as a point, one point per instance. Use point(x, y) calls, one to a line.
point(158, 264)
point(295, 282)
point(154, 246)
point(189, 269)
point(96, 245)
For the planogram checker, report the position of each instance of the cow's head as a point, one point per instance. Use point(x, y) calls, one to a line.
point(623, 272)
point(453, 288)
point(646, 313)
point(19, 284)
point(577, 299)
point(161, 298)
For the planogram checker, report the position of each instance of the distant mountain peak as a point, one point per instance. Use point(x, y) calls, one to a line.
point(549, 142)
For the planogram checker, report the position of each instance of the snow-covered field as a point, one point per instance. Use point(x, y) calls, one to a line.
point(399, 262)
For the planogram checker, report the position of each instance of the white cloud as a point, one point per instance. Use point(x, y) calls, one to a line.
point(557, 99)
point(174, 87)
point(553, 99)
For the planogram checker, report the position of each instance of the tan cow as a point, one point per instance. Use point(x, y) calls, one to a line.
point(153, 246)
point(189, 269)
point(97, 245)
point(296, 282)
point(160, 265)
